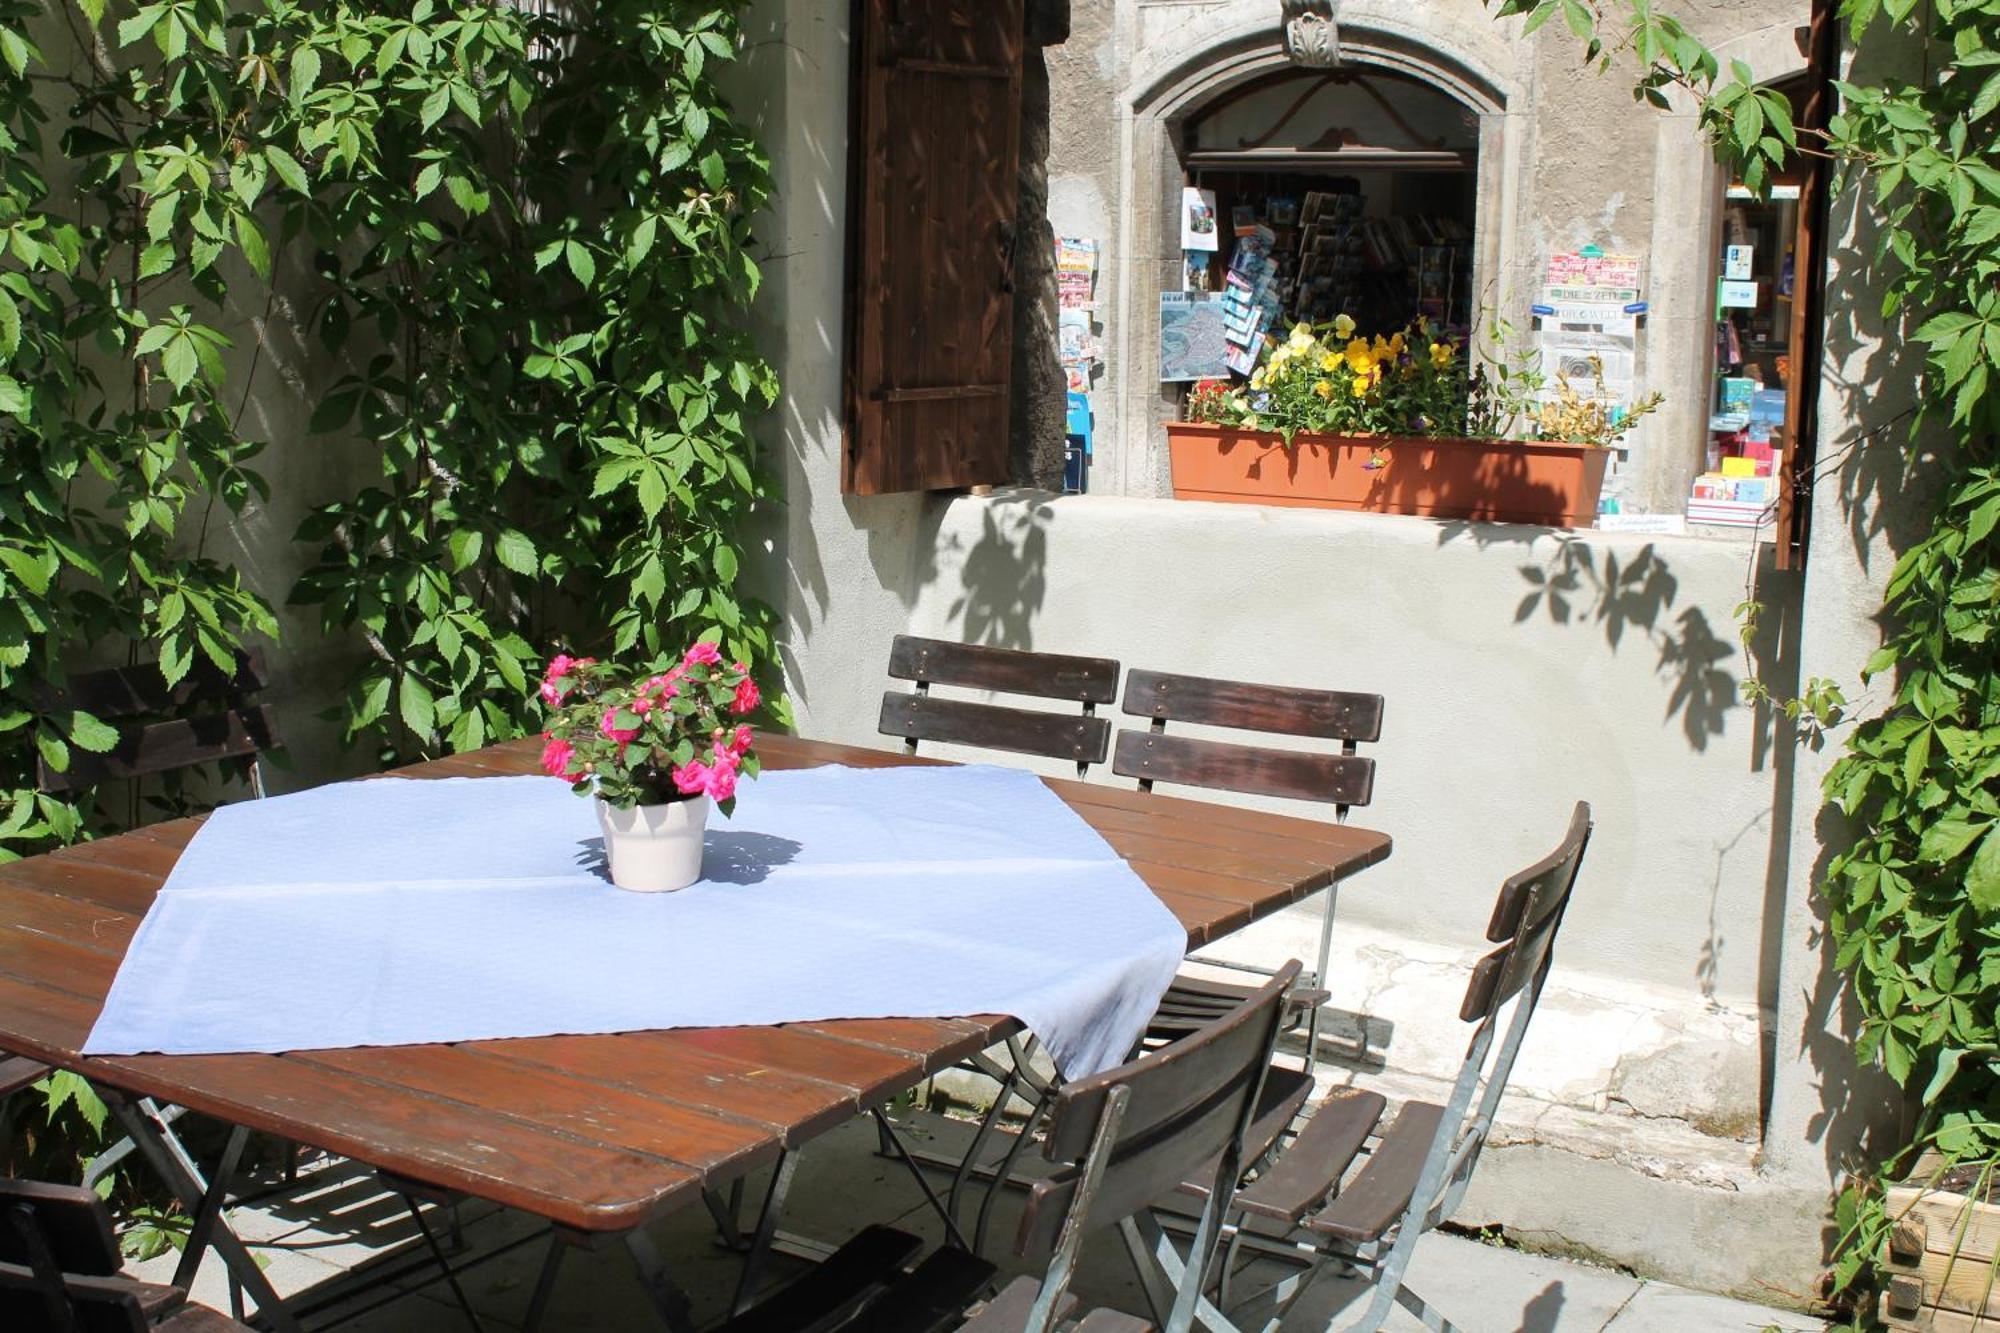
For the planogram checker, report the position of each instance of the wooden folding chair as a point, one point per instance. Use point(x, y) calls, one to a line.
point(1326, 1204)
point(1083, 738)
point(1343, 780)
point(1119, 1141)
point(60, 1271)
point(207, 717)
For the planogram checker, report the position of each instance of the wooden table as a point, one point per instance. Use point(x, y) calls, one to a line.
point(597, 1134)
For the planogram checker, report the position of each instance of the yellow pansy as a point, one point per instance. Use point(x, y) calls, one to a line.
point(1361, 384)
point(1359, 358)
point(1329, 361)
point(1396, 344)
point(1343, 327)
point(1324, 388)
point(1442, 354)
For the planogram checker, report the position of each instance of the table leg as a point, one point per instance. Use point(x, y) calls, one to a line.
point(675, 1310)
point(210, 1229)
point(767, 1230)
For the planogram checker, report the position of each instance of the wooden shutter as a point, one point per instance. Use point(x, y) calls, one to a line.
point(1808, 334)
point(937, 113)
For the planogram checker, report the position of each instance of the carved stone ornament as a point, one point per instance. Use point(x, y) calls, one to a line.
point(1312, 36)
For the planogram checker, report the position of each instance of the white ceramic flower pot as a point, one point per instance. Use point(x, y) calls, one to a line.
point(654, 848)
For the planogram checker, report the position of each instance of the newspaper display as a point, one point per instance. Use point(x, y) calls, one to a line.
point(1589, 311)
point(1076, 299)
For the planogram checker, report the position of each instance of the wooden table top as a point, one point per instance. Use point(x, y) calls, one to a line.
point(600, 1133)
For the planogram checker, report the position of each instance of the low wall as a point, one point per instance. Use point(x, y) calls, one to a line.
point(1523, 669)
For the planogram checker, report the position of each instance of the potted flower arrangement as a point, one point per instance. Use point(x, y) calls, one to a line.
point(654, 752)
point(1396, 424)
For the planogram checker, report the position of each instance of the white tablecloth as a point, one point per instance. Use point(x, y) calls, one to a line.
point(396, 911)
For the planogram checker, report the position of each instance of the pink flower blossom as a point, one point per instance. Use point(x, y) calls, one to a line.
point(560, 666)
point(664, 686)
point(623, 735)
point(722, 782)
point(556, 756)
point(702, 654)
point(691, 778)
point(747, 696)
point(739, 744)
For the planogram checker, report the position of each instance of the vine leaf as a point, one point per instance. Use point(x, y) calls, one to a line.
point(91, 734)
point(418, 707)
point(1982, 881)
point(516, 551)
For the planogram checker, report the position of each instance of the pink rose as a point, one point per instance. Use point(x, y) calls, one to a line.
point(722, 781)
point(747, 697)
point(702, 654)
point(739, 744)
point(622, 735)
point(556, 756)
point(691, 778)
point(559, 666)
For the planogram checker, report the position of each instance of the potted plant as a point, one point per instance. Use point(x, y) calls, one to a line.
point(653, 751)
point(1398, 424)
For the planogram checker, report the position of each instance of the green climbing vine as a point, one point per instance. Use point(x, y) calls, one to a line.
point(1914, 901)
point(503, 248)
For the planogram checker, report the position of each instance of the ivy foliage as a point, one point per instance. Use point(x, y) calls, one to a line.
point(512, 240)
point(1914, 902)
point(532, 228)
point(522, 234)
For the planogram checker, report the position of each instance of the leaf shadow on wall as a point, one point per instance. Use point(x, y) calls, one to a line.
point(1004, 574)
point(1629, 597)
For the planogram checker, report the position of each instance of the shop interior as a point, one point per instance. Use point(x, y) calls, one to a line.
point(1340, 192)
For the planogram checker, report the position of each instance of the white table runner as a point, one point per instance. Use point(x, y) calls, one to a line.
point(398, 911)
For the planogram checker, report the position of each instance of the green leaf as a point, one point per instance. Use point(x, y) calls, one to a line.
point(287, 169)
point(250, 239)
point(90, 734)
point(1982, 878)
point(418, 707)
point(180, 362)
point(465, 546)
point(581, 265)
point(515, 551)
point(1946, 839)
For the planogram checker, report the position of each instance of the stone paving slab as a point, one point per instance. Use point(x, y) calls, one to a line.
point(343, 1218)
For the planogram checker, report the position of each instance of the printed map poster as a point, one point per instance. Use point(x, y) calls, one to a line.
point(1193, 345)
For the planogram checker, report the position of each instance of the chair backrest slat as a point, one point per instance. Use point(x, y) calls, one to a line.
point(1086, 740)
point(1080, 737)
point(168, 745)
point(1255, 770)
point(1526, 914)
point(72, 1220)
point(133, 691)
point(1089, 680)
point(1340, 779)
point(1326, 714)
point(1186, 1103)
point(85, 1304)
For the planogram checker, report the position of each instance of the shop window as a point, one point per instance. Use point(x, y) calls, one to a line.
point(1769, 322)
point(932, 198)
point(1342, 192)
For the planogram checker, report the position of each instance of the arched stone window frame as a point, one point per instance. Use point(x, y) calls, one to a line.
point(1240, 45)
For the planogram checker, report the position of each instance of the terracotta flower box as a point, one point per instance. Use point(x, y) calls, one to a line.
point(1501, 481)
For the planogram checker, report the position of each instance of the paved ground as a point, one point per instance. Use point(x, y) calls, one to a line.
point(343, 1219)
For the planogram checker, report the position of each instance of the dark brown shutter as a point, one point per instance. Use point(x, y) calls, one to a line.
point(937, 111)
point(1808, 334)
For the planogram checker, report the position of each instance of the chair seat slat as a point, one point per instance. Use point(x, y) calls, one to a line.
point(1376, 1198)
